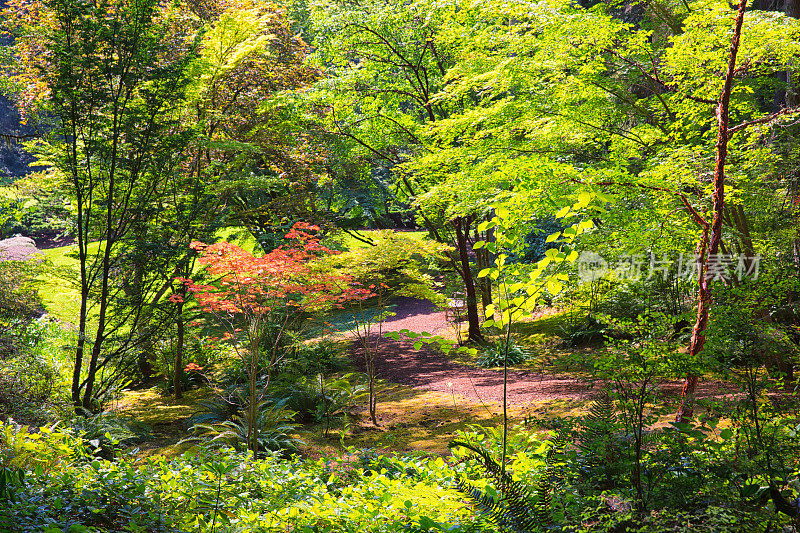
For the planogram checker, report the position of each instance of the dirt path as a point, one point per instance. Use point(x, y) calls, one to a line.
point(430, 370)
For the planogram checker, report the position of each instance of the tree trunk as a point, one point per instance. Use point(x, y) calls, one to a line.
point(686, 409)
point(485, 261)
point(462, 226)
point(178, 374)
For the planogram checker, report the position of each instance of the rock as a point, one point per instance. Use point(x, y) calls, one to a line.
point(19, 249)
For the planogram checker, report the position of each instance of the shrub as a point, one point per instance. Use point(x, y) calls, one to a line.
point(495, 354)
point(584, 331)
point(47, 215)
point(224, 421)
point(228, 491)
point(310, 359)
point(319, 399)
point(19, 301)
point(105, 432)
point(33, 385)
point(735, 340)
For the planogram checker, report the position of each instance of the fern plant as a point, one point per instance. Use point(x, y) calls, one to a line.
point(501, 351)
point(512, 506)
point(597, 440)
point(274, 425)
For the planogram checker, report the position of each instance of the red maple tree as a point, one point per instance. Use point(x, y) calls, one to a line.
point(250, 294)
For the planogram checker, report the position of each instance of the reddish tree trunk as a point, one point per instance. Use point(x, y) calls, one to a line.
point(686, 409)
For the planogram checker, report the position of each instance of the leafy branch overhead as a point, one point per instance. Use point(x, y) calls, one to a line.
point(520, 287)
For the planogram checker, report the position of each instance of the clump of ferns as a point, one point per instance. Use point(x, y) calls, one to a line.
point(512, 505)
point(598, 442)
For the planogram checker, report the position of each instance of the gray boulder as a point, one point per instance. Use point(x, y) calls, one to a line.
point(19, 249)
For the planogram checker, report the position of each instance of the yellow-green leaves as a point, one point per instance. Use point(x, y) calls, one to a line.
point(236, 36)
point(519, 289)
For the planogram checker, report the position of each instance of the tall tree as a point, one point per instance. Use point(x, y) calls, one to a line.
point(112, 75)
point(252, 141)
point(385, 62)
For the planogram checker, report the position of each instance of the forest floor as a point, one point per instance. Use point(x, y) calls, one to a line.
point(425, 397)
point(429, 369)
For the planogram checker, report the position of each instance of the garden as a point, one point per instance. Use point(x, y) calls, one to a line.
point(396, 267)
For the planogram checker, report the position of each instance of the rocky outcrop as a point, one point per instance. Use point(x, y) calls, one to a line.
point(19, 249)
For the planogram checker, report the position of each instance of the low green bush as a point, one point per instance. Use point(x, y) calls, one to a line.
point(223, 490)
point(321, 399)
point(314, 358)
point(499, 352)
point(34, 384)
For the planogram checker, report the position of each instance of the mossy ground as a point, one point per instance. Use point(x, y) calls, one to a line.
point(409, 419)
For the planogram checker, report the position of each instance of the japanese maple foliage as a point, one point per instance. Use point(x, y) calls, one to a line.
point(272, 292)
point(247, 284)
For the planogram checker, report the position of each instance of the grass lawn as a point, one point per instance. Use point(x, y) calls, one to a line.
point(59, 289)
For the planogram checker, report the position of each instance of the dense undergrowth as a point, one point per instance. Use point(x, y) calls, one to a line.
point(598, 472)
point(618, 467)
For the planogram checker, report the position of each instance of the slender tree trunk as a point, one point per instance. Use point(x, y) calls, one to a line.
point(686, 409)
point(178, 373)
point(484, 261)
point(83, 224)
point(110, 241)
point(462, 224)
point(81, 347)
point(254, 334)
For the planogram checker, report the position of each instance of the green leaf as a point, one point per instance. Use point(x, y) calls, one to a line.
point(554, 287)
point(584, 199)
point(488, 224)
point(604, 197)
point(553, 237)
point(748, 491)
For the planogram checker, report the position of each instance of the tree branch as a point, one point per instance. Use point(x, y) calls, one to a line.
point(762, 120)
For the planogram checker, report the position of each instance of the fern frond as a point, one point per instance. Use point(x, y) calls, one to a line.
point(514, 508)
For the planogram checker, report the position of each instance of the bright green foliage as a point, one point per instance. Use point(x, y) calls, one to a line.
point(394, 259)
point(384, 63)
point(252, 141)
point(565, 97)
point(498, 354)
point(274, 423)
point(231, 492)
point(19, 301)
point(520, 289)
